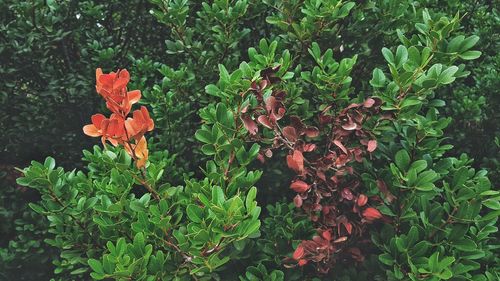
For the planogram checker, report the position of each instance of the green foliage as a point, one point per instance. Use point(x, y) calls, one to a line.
point(23, 253)
point(444, 212)
point(195, 62)
point(100, 219)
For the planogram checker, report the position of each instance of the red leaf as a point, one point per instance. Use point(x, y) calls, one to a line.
point(327, 235)
point(268, 153)
point(264, 120)
point(385, 191)
point(340, 145)
point(261, 158)
point(362, 200)
point(250, 125)
point(296, 162)
point(312, 132)
point(348, 227)
point(341, 239)
point(309, 147)
point(347, 194)
point(372, 145)
point(297, 200)
point(371, 214)
point(349, 125)
point(290, 133)
point(299, 186)
point(302, 262)
point(299, 253)
point(369, 102)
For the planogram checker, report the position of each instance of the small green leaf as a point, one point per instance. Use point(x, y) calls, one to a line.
point(250, 199)
point(386, 259)
point(50, 163)
point(465, 245)
point(96, 265)
point(401, 56)
point(468, 43)
point(470, 55)
point(378, 78)
point(204, 136)
point(389, 57)
point(195, 213)
point(212, 90)
point(402, 160)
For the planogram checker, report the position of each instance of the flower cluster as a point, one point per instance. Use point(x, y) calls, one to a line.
point(322, 157)
point(119, 128)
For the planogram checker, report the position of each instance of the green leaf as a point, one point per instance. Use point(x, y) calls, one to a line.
point(433, 262)
point(250, 199)
point(389, 57)
point(386, 259)
point(252, 227)
point(224, 75)
point(418, 166)
point(402, 160)
point(213, 90)
point(37, 208)
point(446, 77)
point(217, 195)
point(378, 78)
point(195, 213)
point(468, 43)
point(411, 101)
point(492, 204)
point(465, 245)
point(222, 115)
point(344, 11)
point(50, 163)
point(470, 55)
point(401, 56)
point(208, 149)
point(96, 265)
point(425, 180)
point(454, 44)
point(204, 136)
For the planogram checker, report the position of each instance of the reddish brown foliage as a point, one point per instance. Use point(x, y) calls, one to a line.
point(322, 157)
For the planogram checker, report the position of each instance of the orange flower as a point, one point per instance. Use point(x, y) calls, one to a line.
point(139, 124)
point(108, 129)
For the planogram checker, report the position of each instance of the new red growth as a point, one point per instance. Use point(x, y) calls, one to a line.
point(119, 128)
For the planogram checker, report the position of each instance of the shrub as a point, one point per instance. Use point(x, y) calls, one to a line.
point(358, 177)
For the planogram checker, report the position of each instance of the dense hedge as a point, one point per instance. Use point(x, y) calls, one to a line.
point(293, 140)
